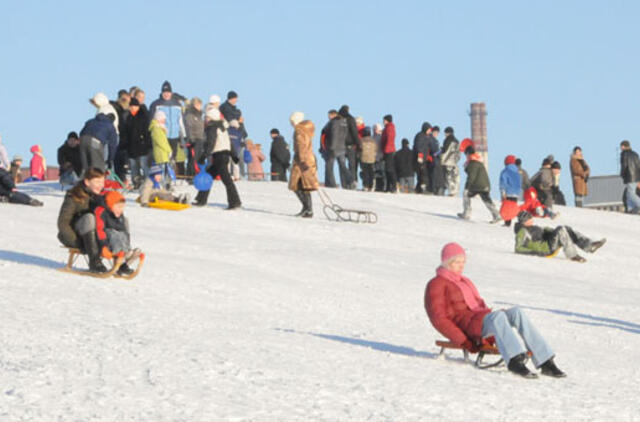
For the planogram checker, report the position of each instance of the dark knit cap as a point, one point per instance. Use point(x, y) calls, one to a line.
point(134, 102)
point(435, 128)
point(231, 95)
point(556, 165)
point(448, 130)
point(166, 87)
point(388, 118)
point(275, 131)
point(72, 135)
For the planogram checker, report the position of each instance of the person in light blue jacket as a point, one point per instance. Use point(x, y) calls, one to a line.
point(510, 189)
point(169, 103)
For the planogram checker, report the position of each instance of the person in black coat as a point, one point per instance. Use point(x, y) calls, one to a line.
point(405, 167)
point(136, 139)
point(9, 192)
point(421, 151)
point(436, 173)
point(352, 144)
point(231, 112)
point(630, 173)
point(69, 160)
point(337, 136)
point(279, 156)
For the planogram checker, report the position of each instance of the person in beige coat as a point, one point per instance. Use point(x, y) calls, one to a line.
point(579, 174)
point(304, 177)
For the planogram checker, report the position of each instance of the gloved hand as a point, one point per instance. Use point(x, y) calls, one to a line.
point(106, 253)
point(470, 346)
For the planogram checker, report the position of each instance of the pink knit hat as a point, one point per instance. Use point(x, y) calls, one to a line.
point(450, 251)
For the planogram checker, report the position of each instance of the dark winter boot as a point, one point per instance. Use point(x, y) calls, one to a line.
point(308, 206)
point(550, 369)
point(579, 259)
point(517, 366)
point(300, 196)
point(201, 198)
point(35, 203)
point(125, 269)
point(596, 245)
point(90, 245)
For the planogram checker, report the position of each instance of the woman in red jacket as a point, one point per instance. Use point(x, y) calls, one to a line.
point(457, 311)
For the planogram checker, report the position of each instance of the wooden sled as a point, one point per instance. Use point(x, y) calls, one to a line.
point(335, 212)
point(168, 205)
point(74, 253)
point(484, 350)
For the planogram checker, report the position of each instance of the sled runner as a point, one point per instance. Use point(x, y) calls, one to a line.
point(335, 212)
point(118, 259)
point(484, 350)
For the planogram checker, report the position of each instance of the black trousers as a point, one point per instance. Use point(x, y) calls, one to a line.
point(423, 178)
point(367, 175)
point(390, 172)
point(220, 167)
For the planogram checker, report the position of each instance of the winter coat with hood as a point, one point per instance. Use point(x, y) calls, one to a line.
point(135, 136)
point(450, 314)
point(352, 127)
point(73, 207)
point(217, 134)
point(337, 135)
point(194, 124)
point(304, 170)
point(101, 128)
point(38, 165)
point(256, 172)
point(450, 153)
point(477, 177)
point(543, 180)
point(104, 106)
point(404, 161)
point(69, 159)
point(106, 219)
point(421, 142)
point(629, 166)
point(510, 182)
point(279, 155)
point(389, 138)
point(231, 112)
point(173, 110)
point(161, 147)
point(579, 174)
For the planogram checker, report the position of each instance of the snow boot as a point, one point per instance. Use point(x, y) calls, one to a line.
point(125, 270)
point(35, 203)
point(90, 245)
point(596, 245)
point(201, 198)
point(550, 369)
point(463, 216)
point(96, 266)
point(300, 196)
point(579, 259)
point(517, 366)
point(308, 206)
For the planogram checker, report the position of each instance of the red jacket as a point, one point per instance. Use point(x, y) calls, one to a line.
point(388, 140)
point(531, 203)
point(449, 313)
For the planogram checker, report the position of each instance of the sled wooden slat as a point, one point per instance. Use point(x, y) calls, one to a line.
point(486, 349)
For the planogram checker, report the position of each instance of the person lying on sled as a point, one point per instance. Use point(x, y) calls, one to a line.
point(547, 241)
point(457, 311)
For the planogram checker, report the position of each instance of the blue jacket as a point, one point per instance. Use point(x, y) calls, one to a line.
point(101, 127)
point(173, 110)
point(510, 181)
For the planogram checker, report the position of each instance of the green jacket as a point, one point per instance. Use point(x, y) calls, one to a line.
point(532, 240)
point(161, 147)
point(477, 177)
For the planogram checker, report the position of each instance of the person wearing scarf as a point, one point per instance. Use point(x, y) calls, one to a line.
point(456, 310)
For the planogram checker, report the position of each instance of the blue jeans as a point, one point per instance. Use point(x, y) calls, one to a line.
point(139, 166)
point(499, 323)
point(633, 200)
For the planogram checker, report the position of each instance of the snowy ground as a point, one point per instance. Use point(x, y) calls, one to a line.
point(257, 316)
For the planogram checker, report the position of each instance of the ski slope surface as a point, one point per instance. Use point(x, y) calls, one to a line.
point(255, 315)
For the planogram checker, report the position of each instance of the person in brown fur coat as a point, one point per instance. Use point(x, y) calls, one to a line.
point(304, 177)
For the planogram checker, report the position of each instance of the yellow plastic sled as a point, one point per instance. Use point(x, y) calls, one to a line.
point(168, 205)
point(553, 254)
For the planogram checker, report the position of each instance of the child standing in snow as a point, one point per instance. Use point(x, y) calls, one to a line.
point(510, 189)
point(38, 164)
point(113, 230)
point(535, 240)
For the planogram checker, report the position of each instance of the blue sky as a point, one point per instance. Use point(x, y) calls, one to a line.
point(553, 74)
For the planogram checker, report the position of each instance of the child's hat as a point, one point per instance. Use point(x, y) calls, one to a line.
point(113, 197)
point(155, 169)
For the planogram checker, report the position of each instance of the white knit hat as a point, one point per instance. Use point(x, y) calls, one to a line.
point(359, 120)
point(159, 115)
point(99, 100)
point(214, 99)
point(296, 117)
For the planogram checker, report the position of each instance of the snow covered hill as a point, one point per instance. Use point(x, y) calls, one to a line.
point(254, 315)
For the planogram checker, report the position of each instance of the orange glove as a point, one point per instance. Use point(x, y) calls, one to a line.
point(106, 253)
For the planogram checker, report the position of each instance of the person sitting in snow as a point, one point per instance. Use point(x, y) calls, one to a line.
point(152, 189)
point(510, 189)
point(534, 207)
point(547, 241)
point(112, 230)
point(457, 311)
point(9, 192)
